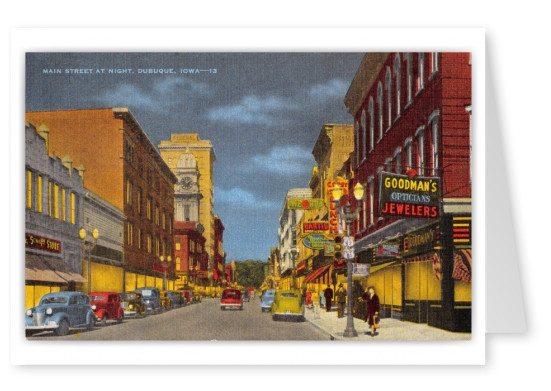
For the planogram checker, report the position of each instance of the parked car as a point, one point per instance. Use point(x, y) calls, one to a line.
point(166, 303)
point(176, 298)
point(196, 296)
point(267, 300)
point(107, 306)
point(132, 303)
point(231, 298)
point(151, 298)
point(287, 304)
point(59, 312)
point(187, 295)
point(245, 295)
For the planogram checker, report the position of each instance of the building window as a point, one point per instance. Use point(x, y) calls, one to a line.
point(357, 138)
point(398, 160)
point(371, 125)
point(409, 157)
point(421, 72)
point(157, 220)
point(388, 85)
point(420, 136)
point(139, 238)
point(73, 208)
point(149, 243)
point(128, 192)
point(409, 76)
point(364, 135)
point(157, 247)
point(178, 264)
point(129, 231)
point(164, 247)
point(364, 214)
point(148, 208)
point(434, 63)
point(371, 183)
point(434, 139)
point(56, 201)
point(39, 194)
point(397, 72)
point(63, 209)
point(29, 189)
point(388, 164)
point(139, 200)
point(50, 206)
point(164, 220)
point(380, 108)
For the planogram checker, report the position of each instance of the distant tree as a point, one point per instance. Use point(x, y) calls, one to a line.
point(250, 273)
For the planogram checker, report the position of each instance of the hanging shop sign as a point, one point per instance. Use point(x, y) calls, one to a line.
point(316, 242)
point(305, 203)
point(360, 269)
point(42, 243)
point(315, 226)
point(330, 202)
point(402, 196)
point(422, 240)
point(388, 250)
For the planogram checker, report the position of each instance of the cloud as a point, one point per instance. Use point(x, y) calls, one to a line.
point(242, 198)
point(170, 91)
point(284, 161)
point(333, 88)
point(252, 110)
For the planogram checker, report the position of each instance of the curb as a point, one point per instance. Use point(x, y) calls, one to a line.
point(332, 337)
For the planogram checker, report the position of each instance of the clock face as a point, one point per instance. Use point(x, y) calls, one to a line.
point(186, 183)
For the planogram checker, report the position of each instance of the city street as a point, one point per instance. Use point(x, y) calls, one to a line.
point(202, 321)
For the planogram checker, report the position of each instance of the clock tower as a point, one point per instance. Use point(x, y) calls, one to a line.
point(187, 194)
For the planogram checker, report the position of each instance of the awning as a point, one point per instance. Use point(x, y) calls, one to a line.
point(376, 268)
point(49, 269)
point(462, 261)
point(301, 267)
point(316, 273)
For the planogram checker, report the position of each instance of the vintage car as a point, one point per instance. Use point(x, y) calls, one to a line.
point(187, 296)
point(231, 298)
point(245, 295)
point(287, 304)
point(59, 312)
point(107, 306)
point(267, 300)
point(166, 301)
point(196, 296)
point(132, 303)
point(151, 298)
point(176, 298)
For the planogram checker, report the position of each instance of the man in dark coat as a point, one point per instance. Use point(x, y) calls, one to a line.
point(340, 296)
point(328, 294)
point(372, 310)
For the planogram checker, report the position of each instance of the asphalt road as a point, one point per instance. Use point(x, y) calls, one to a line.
point(199, 322)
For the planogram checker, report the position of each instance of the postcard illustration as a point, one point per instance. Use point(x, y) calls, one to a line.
point(248, 196)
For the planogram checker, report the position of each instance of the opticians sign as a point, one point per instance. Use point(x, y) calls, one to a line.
point(402, 196)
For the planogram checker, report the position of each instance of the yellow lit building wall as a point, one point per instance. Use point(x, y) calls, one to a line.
point(388, 285)
point(33, 293)
point(421, 283)
point(104, 277)
point(462, 290)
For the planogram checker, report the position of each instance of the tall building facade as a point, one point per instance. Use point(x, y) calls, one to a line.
point(122, 167)
point(173, 151)
point(412, 120)
point(219, 268)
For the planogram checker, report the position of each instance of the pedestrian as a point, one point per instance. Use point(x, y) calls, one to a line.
point(328, 294)
point(309, 299)
point(341, 300)
point(322, 300)
point(372, 310)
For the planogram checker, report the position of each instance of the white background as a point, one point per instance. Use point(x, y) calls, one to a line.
point(518, 54)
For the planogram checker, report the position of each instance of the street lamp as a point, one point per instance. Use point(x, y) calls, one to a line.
point(163, 263)
point(348, 216)
point(89, 246)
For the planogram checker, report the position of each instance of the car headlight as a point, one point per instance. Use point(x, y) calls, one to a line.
point(94, 307)
point(29, 312)
point(49, 311)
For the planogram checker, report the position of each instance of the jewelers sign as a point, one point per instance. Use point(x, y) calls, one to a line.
point(402, 196)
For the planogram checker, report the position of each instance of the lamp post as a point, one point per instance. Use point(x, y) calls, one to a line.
point(89, 246)
point(348, 216)
point(165, 264)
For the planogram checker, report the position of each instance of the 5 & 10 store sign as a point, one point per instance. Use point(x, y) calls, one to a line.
point(42, 243)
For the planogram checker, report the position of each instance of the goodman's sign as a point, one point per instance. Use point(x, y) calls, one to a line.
point(402, 196)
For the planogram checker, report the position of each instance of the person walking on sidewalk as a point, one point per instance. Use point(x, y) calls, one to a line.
point(340, 295)
point(372, 310)
point(328, 294)
point(322, 300)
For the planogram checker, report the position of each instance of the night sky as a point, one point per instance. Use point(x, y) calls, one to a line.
point(261, 111)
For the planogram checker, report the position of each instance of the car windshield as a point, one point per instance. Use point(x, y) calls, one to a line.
point(54, 300)
point(147, 292)
point(101, 298)
point(288, 295)
point(231, 294)
point(128, 296)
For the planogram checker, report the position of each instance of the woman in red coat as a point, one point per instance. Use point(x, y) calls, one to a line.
point(372, 310)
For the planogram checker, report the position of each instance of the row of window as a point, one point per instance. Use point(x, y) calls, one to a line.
point(412, 156)
point(194, 247)
point(394, 81)
point(161, 218)
point(60, 203)
point(144, 241)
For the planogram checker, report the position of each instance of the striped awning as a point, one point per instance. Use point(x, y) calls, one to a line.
point(49, 269)
point(462, 263)
point(301, 267)
point(316, 274)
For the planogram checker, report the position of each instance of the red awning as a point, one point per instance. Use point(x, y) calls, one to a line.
point(301, 267)
point(462, 261)
point(316, 273)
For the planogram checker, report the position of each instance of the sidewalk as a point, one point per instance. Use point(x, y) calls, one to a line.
point(390, 329)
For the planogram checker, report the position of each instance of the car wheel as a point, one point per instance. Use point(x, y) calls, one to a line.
point(104, 320)
point(121, 318)
point(93, 323)
point(63, 328)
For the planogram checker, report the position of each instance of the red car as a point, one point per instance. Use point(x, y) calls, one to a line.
point(187, 296)
point(106, 305)
point(231, 298)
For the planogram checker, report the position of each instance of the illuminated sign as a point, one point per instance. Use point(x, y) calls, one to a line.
point(42, 243)
point(316, 242)
point(422, 240)
point(387, 250)
point(304, 203)
point(315, 226)
point(402, 196)
point(333, 214)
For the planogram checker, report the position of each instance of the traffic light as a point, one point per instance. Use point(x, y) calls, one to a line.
point(338, 247)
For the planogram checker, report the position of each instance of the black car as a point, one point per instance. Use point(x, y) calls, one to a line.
point(245, 295)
